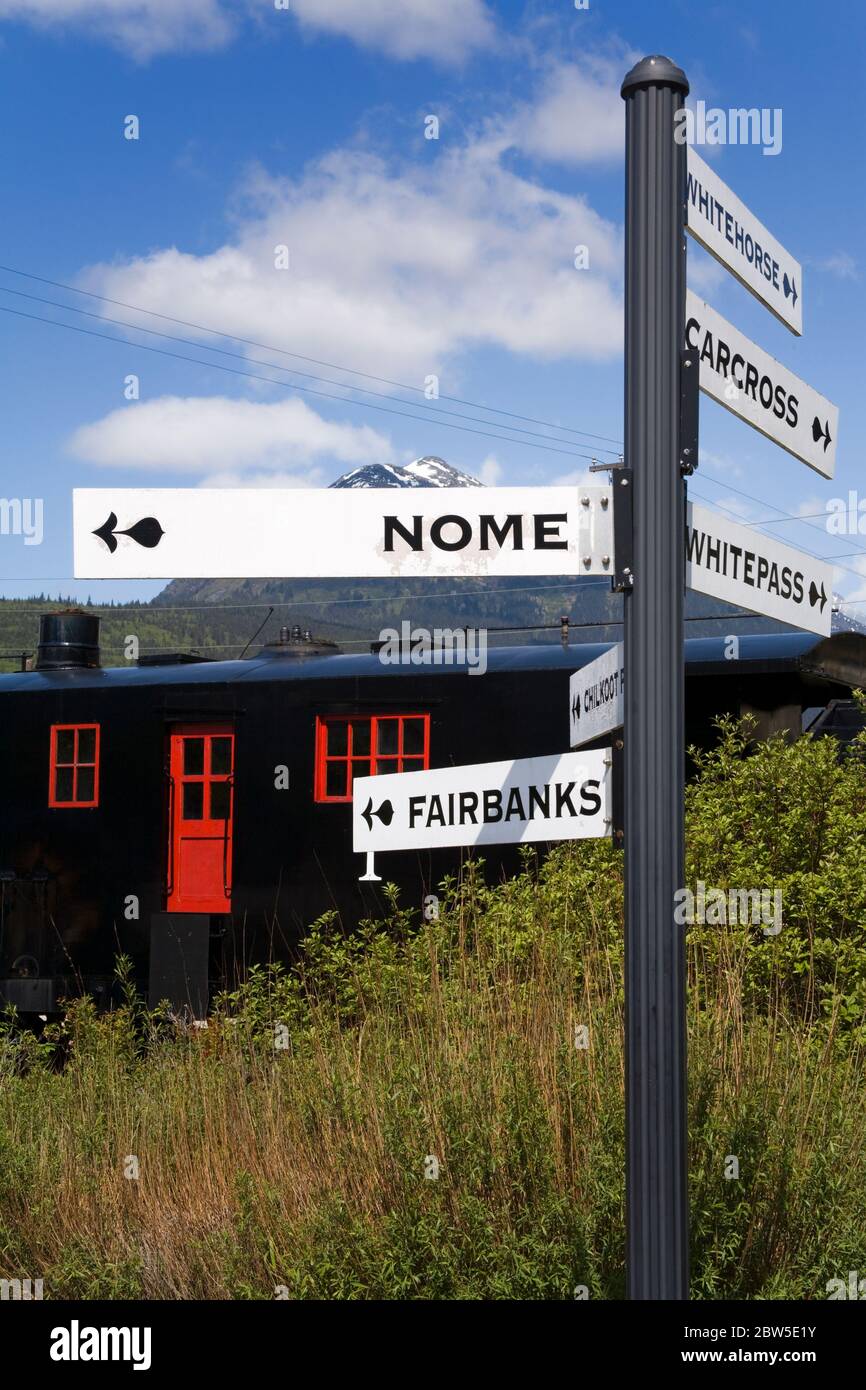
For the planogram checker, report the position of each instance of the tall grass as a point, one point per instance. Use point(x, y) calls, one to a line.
point(284, 1150)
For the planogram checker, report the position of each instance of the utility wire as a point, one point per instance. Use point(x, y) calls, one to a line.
point(274, 366)
point(436, 411)
point(292, 603)
point(309, 390)
point(786, 516)
point(269, 347)
point(828, 559)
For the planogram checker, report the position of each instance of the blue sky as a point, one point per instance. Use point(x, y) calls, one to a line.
point(408, 257)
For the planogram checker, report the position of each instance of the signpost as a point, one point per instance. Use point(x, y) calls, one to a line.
point(752, 384)
point(729, 231)
point(657, 1239)
point(596, 701)
point(661, 546)
point(562, 797)
point(729, 561)
point(198, 533)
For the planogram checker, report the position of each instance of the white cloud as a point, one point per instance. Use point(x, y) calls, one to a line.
point(490, 471)
point(143, 27)
point(705, 274)
point(216, 437)
point(840, 264)
point(445, 30)
point(857, 595)
point(397, 270)
point(723, 463)
point(579, 117)
point(578, 477)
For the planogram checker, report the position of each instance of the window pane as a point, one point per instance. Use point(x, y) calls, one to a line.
point(387, 736)
point(65, 746)
point(85, 784)
point(335, 779)
point(338, 738)
point(193, 755)
point(387, 765)
point(360, 736)
point(63, 784)
point(193, 800)
point(413, 736)
point(220, 800)
point(360, 767)
point(87, 746)
point(221, 755)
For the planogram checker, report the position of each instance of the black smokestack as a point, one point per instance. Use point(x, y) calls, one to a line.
point(67, 640)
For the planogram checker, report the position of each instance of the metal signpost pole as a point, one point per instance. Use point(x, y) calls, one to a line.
point(656, 1167)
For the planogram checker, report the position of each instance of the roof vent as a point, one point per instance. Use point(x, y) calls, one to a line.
point(68, 640)
point(295, 643)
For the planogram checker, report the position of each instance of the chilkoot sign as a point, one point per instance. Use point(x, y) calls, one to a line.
point(596, 697)
point(200, 533)
point(565, 796)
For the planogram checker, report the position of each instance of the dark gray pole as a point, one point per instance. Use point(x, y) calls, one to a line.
point(656, 1167)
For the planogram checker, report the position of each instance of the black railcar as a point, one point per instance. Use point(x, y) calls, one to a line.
point(196, 816)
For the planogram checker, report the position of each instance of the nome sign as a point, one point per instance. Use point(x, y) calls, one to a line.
point(321, 533)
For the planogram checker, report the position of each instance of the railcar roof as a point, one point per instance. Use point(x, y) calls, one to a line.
point(842, 657)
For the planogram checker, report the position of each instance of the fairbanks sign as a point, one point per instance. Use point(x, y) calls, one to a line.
point(310, 533)
point(562, 797)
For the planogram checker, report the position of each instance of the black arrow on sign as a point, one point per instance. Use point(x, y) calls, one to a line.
point(385, 813)
point(575, 709)
point(814, 595)
point(820, 431)
point(146, 532)
point(790, 289)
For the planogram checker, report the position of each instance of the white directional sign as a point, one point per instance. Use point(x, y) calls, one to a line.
point(596, 697)
point(730, 232)
point(200, 533)
point(752, 384)
point(562, 797)
point(737, 564)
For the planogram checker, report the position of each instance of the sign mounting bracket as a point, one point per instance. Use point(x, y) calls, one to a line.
point(623, 530)
point(689, 411)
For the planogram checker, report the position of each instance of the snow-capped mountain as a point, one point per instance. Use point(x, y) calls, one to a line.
point(843, 621)
point(424, 472)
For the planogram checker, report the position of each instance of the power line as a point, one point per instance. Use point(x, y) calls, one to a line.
point(309, 390)
point(786, 516)
point(269, 347)
point(293, 603)
point(828, 559)
point(436, 411)
point(257, 362)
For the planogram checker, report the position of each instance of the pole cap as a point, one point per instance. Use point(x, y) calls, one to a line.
point(656, 71)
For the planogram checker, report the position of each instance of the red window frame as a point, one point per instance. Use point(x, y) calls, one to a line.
point(406, 762)
point(76, 764)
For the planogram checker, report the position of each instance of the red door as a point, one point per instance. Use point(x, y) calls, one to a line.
point(201, 810)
